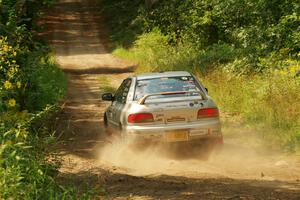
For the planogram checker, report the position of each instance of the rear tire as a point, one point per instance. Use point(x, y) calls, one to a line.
point(107, 130)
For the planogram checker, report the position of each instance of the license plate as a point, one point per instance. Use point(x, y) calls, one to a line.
point(174, 136)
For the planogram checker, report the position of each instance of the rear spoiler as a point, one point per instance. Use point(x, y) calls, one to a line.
point(143, 99)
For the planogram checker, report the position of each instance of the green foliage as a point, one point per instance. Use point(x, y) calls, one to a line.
point(27, 167)
point(24, 172)
point(149, 47)
point(10, 80)
point(126, 28)
point(154, 53)
point(242, 28)
point(28, 79)
point(258, 27)
point(46, 82)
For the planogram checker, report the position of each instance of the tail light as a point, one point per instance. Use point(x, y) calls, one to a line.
point(208, 112)
point(140, 118)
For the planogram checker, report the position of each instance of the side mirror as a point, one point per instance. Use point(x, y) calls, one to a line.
point(107, 97)
point(206, 90)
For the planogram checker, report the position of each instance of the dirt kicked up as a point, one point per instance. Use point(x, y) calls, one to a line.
point(115, 171)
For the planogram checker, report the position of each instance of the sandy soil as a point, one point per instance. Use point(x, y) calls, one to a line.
point(77, 33)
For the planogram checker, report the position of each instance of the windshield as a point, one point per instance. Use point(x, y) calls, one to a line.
point(166, 84)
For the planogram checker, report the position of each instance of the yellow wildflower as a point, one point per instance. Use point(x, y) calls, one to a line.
point(40, 172)
point(15, 53)
point(19, 84)
point(283, 72)
point(293, 70)
point(5, 48)
point(12, 71)
point(7, 85)
point(8, 142)
point(12, 103)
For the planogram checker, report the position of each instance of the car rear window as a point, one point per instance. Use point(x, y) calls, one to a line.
point(166, 84)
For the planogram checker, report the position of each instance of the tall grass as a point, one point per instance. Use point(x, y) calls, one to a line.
point(270, 104)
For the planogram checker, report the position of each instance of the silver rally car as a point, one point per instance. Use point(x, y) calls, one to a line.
point(172, 107)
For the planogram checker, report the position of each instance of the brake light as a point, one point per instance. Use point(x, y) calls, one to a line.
point(140, 118)
point(208, 112)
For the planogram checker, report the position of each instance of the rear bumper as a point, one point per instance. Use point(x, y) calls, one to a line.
point(187, 132)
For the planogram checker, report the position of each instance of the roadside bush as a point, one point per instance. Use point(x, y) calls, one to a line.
point(151, 50)
point(28, 79)
point(46, 82)
point(154, 53)
point(24, 171)
point(30, 87)
point(10, 76)
point(27, 166)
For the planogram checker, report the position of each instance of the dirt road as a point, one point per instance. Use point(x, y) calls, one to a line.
point(77, 33)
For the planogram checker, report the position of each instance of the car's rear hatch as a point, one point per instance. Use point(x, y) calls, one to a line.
point(175, 110)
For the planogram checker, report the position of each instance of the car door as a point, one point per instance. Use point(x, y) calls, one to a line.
point(120, 101)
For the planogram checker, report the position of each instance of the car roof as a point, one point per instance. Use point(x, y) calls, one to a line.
point(162, 74)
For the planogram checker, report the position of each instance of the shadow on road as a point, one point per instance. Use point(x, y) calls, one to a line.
point(75, 28)
point(123, 186)
point(100, 70)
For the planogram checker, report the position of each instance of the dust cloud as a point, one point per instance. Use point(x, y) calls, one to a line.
point(232, 161)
